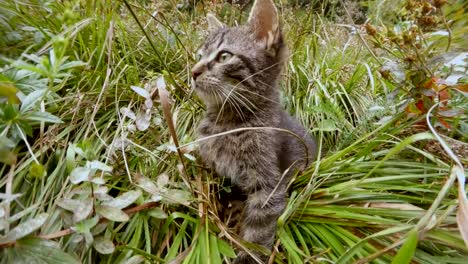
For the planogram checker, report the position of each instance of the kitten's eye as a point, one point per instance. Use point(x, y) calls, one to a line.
point(223, 56)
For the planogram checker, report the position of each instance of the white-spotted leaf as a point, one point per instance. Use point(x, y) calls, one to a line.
point(140, 91)
point(80, 174)
point(97, 165)
point(178, 196)
point(103, 245)
point(162, 180)
point(35, 250)
point(111, 213)
point(25, 228)
point(146, 184)
point(124, 199)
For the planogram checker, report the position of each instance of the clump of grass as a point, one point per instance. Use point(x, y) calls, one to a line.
point(91, 172)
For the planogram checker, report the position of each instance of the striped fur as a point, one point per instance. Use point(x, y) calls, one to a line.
point(237, 77)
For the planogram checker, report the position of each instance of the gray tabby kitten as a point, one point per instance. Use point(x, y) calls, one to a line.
point(236, 78)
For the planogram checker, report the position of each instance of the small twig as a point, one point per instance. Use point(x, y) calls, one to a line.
point(58, 234)
point(275, 250)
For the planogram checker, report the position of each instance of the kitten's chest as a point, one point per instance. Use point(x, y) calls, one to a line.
point(224, 153)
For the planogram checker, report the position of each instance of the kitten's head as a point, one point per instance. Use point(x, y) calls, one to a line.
point(241, 63)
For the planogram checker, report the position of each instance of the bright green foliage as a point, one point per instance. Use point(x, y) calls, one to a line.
point(90, 172)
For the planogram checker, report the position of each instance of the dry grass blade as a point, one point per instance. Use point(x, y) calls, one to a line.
point(457, 172)
point(462, 213)
point(166, 105)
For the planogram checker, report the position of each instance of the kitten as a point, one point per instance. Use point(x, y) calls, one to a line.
point(236, 77)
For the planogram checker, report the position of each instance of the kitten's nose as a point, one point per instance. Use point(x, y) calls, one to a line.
point(197, 70)
point(195, 74)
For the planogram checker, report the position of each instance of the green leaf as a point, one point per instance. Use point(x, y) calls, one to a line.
point(81, 208)
point(157, 213)
point(97, 165)
point(103, 245)
point(111, 213)
point(26, 228)
point(36, 171)
point(80, 174)
point(29, 101)
point(35, 250)
point(177, 196)
point(9, 91)
point(10, 112)
point(146, 184)
point(6, 143)
point(226, 249)
point(406, 252)
point(70, 158)
point(123, 200)
point(86, 225)
point(71, 64)
point(214, 249)
point(43, 117)
point(30, 67)
point(7, 157)
point(327, 125)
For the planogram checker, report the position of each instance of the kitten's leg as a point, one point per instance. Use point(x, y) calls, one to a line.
point(263, 207)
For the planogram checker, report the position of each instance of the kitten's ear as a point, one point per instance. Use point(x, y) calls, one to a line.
point(213, 23)
point(264, 22)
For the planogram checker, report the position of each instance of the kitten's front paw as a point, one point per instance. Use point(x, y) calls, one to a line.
point(244, 258)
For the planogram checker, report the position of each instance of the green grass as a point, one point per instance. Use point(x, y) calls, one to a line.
point(82, 180)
